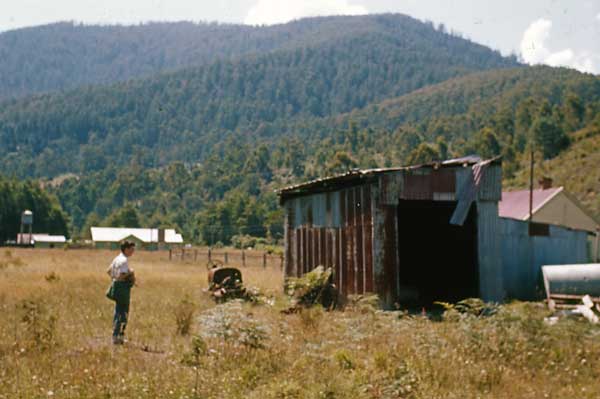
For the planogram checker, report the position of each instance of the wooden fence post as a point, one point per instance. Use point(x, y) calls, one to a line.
point(170, 254)
point(195, 255)
point(265, 260)
point(226, 258)
point(182, 254)
point(209, 255)
point(243, 258)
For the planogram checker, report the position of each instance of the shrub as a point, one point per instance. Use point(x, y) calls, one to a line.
point(40, 324)
point(52, 277)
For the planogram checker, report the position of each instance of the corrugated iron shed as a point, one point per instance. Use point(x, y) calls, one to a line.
point(387, 231)
point(350, 222)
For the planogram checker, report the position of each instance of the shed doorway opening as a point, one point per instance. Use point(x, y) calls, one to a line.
point(437, 260)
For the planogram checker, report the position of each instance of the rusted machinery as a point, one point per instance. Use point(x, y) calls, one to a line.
point(225, 283)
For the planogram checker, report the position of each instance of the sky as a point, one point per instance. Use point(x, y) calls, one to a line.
point(553, 32)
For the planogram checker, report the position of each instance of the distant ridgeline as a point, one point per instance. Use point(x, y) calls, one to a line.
point(202, 148)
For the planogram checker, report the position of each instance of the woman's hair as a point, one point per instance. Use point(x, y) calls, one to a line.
point(126, 245)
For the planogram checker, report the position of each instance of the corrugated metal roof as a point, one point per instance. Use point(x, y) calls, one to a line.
point(355, 175)
point(116, 234)
point(515, 204)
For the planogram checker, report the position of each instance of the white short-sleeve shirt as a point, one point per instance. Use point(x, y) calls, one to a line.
point(119, 266)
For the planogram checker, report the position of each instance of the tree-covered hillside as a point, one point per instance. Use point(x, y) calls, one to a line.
point(65, 56)
point(182, 115)
point(231, 191)
point(203, 149)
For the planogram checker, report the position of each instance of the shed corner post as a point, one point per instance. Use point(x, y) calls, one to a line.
point(384, 214)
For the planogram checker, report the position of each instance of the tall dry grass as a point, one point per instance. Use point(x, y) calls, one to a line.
point(242, 351)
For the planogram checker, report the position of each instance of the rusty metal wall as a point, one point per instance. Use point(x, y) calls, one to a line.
point(354, 230)
point(333, 229)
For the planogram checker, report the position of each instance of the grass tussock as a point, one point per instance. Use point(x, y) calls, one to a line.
point(55, 338)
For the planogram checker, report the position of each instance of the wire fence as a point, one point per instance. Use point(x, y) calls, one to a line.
point(241, 258)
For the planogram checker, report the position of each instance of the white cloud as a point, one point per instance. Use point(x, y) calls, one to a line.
point(269, 12)
point(534, 50)
point(598, 17)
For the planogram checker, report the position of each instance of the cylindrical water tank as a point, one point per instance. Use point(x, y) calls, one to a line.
point(581, 279)
point(27, 217)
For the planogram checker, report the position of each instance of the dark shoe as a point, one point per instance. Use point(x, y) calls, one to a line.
point(117, 341)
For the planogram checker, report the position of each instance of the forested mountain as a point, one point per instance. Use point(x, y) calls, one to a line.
point(231, 192)
point(180, 116)
point(204, 148)
point(65, 55)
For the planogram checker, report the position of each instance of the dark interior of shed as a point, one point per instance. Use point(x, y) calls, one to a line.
point(437, 260)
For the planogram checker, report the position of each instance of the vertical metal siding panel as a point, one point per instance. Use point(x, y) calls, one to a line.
point(317, 247)
point(323, 247)
point(319, 210)
point(329, 248)
point(378, 235)
point(490, 188)
point(351, 207)
point(328, 210)
point(338, 258)
point(343, 261)
point(491, 285)
point(350, 257)
point(335, 209)
point(297, 212)
point(309, 250)
point(299, 246)
point(516, 259)
point(305, 250)
point(523, 256)
point(359, 245)
point(287, 239)
point(390, 255)
point(367, 237)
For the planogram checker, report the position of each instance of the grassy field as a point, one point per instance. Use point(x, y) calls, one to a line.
point(55, 326)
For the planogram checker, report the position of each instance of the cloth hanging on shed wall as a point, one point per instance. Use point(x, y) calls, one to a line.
point(468, 192)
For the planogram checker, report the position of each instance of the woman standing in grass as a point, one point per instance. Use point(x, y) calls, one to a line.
point(123, 278)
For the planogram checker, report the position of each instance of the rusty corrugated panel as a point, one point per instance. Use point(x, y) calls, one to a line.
point(338, 258)
point(288, 239)
point(343, 261)
point(305, 247)
point(316, 249)
point(443, 182)
point(367, 238)
point(351, 208)
point(417, 185)
point(390, 253)
point(323, 248)
point(329, 249)
point(391, 187)
point(360, 266)
point(343, 213)
point(319, 210)
point(360, 249)
point(309, 250)
point(350, 259)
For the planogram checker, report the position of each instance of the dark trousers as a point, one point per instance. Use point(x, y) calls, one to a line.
point(120, 318)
